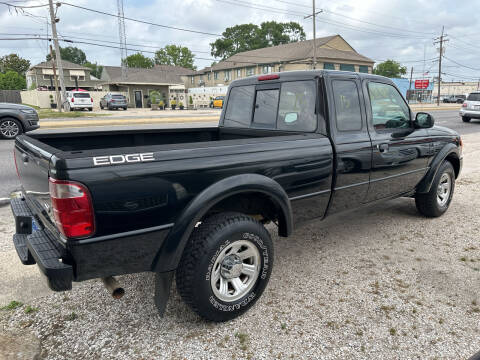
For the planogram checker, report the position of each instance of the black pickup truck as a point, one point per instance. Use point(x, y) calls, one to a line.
point(290, 147)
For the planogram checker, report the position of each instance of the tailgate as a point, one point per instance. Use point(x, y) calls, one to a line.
point(33, 164)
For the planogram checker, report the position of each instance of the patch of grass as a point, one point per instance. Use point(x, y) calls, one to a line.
point(284, 326)
point(359, 333)
point(50, 114)
point(387, 308)
point(476, 310)
point(463, 258)
point(441, 321)
point(71, 316)
point(392, 331)
point(29, 309)
point(12, 306)
point(242, 338)
point(33, 106)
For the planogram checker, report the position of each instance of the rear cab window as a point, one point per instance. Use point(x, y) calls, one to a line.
point(286, 106)
point(473, 97)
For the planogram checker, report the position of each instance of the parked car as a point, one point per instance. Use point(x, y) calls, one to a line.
point(471, 107)
point(77, 100)
point(218, 102)
point(16, 119)
point(113, 102)
point(458, 99)
point(290, 148)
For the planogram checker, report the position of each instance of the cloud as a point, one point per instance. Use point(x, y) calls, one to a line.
point(396, 29)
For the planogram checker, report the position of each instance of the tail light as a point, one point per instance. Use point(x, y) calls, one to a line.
point(268, 77)
point(72, 208)
point(15, 160)
point(91, 99)
point(464, 104)
point(73, 99)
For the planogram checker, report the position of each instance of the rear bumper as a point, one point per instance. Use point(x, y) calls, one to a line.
point(39, 247)
point(475, 114)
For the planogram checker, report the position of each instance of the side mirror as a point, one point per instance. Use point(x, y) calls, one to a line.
point(291, 117)
point(423, 120)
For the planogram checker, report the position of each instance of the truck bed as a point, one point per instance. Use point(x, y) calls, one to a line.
point(124, 139)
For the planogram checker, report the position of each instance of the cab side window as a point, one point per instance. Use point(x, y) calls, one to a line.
point(347, 105)
point(389, 110)
point(297, 106)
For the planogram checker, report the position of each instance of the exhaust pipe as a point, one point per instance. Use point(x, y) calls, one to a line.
point(113, 287)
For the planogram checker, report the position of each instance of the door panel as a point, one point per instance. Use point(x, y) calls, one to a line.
point(138, 99)
point(399, 151)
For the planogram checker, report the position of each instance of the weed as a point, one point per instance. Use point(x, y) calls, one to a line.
point(463, 258)
point(284, 326)
point(29, 309)
point(12, 306)
point(393, 331)
point(72, 316)
point(359, 333)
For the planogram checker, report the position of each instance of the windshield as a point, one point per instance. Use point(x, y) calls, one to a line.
point(81, 95)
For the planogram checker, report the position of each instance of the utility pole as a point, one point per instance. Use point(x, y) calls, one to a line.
point(54, 20)
point(440, 40)
point(57, 93)
point(313, 16)
point(410, 86)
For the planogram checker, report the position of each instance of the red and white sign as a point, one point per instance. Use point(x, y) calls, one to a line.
point(421, 84)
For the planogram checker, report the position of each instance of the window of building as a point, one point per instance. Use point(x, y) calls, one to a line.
point(250, 71)
point(228, 75)
point(192, 80)
point(215, 75)
point(240, 106)
point(296, 111)
point(347, 67)
point(208, 76)
point(363, 69)
point(266, 104)
point(239, 73)
point(79, 78)
point(47, 77)
point(347, 105)
point(267, 69)
point(389, 110)
point(329, 66)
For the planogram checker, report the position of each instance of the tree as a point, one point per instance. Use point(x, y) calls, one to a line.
point(175, 55)
point(95, 69)
point(15, 63)
point(139, 61)
point(72, 54)
point(246, 37)
point(390, 68)
point(12, 80)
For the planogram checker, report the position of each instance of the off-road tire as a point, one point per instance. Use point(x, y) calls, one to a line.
point(427, 203)
point(196, 265)
point(465, 119)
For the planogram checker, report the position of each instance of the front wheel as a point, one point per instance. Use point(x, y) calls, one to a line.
point(226, 266)
point(465, 119)
point(437, 200)
point(10, 128)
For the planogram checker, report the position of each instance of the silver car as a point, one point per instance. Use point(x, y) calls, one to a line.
point(471, 107)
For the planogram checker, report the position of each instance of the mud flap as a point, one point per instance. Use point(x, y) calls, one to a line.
point(163, 283)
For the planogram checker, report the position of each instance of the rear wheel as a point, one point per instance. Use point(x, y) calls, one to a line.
point(465, 119)
point(10, 128)
point(437, 200)
point(226, 266)
point(90, 109)
point(101, 106)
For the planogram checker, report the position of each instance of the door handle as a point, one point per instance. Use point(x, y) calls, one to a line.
point(382, 147)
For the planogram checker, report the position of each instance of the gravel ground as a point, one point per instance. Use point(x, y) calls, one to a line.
point(389, 285)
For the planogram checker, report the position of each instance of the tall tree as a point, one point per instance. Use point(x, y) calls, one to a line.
point(246, 37)
point(12, 80)
point(13, 62)
point(72, 54)
point(139, 61)
point(95, 69)
point(175, 55)
point(390, 68)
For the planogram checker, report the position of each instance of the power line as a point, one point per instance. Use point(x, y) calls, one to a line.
point(22, 6)
point(141, 21)
point(465, 66)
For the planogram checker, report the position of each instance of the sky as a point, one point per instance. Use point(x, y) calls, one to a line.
point(403, 30)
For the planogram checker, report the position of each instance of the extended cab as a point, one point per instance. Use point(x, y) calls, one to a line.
point(290, 147)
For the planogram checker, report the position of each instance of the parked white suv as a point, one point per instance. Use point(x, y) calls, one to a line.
point(79, 100)
point(471, 107)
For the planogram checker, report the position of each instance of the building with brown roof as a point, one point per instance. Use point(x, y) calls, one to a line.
point(332, 52)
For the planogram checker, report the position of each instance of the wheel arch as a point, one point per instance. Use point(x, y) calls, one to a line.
point(222, 196)
point(11, 116)
point(450, 153)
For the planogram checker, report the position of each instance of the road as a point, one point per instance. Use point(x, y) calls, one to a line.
point(9, 180)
